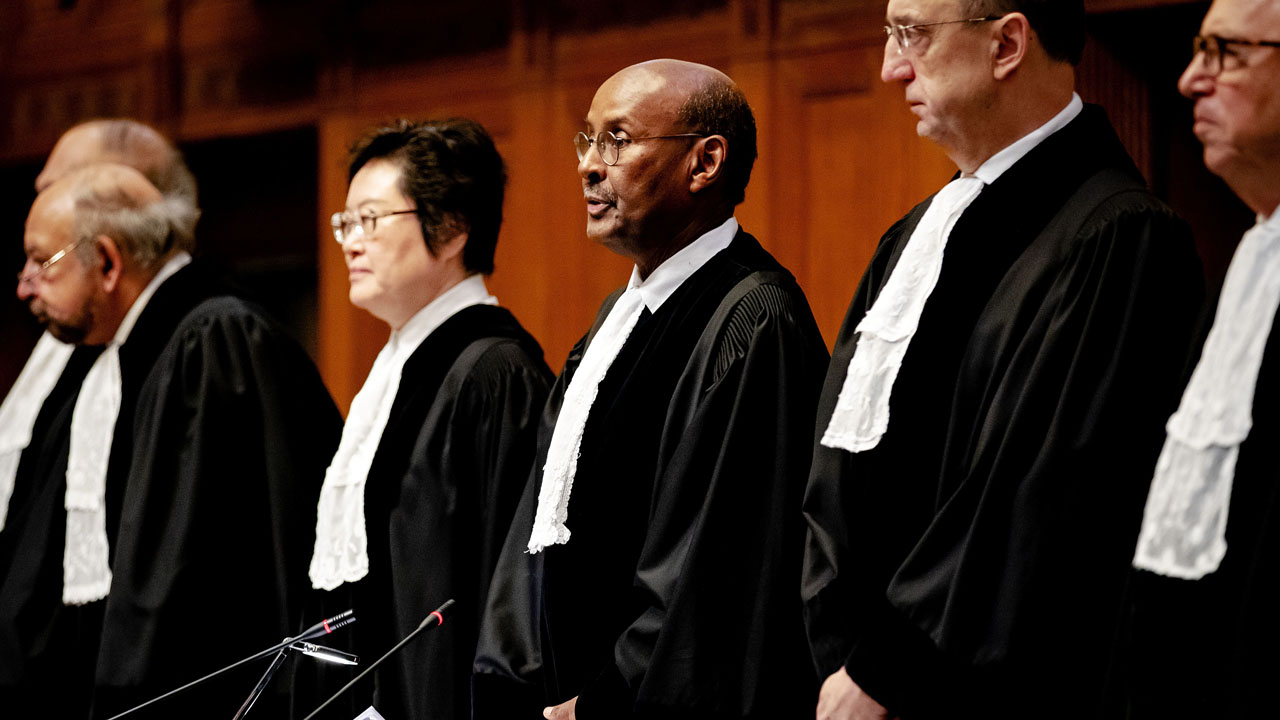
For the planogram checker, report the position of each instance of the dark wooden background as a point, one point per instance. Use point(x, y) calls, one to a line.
point(265, 96)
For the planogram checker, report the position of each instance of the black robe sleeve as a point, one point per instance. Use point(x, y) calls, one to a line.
point(455, 507)
point(232, 434)
point(507, 676)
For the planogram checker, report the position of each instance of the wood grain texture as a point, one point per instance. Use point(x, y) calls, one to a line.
point(839, 159)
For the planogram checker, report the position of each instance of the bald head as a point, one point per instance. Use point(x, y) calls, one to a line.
point(103, 179)
point(670, 80)
point(124, 142)
point(702, 100)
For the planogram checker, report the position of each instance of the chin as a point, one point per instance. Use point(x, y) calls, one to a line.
point(359, 298)
point(1218, 160)
point(70, 334)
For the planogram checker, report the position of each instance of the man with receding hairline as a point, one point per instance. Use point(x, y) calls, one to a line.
point(651, 568)
point(987, 418)
point(124, 141)
point(119, 140)
point(33, 620)
point(185, 420)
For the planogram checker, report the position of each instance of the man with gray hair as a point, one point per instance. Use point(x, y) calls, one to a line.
point(34, 622)
point(197, 410)
point(988, 417)
point(123, 141)
point(1201, 627)
point(118, 140)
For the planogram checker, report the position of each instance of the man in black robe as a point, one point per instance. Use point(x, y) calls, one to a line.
point(1201, 634)
point(196, 529)
point(48, 649)
point(680, 424)
point(439, 441)
point(991, 412)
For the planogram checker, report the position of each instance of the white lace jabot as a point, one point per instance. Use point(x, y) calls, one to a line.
point(22, 405)
point(341, 551)
point(86, 573)
point(861, 415)
point(550, 522)
point(1184, 527)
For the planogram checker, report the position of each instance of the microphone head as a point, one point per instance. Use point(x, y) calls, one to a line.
point(437, 614)
point(340, 622)
point(328, 625)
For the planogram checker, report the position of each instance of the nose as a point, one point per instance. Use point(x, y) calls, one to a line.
point(353, 240)
point(26, 288)
point(1195, 80)
point(591, 166)
point(896, 67)
point(352, 246)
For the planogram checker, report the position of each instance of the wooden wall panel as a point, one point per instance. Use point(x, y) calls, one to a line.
point(349, 337)
point(866, 168)
point(839, 158)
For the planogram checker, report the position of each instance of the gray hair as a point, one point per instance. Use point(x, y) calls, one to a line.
point(141, 147)
point(145, 233)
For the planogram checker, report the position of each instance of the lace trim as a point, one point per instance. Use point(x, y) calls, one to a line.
point(550, 523)
point(861, 415)
point(86, 572)
point(1184, 525)
point(21, 407)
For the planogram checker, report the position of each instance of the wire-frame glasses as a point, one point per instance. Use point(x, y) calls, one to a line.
point(610, 145)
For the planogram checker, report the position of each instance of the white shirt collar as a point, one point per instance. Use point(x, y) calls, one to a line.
point(672, 273)
point(180, 260)
point(471, 291)
point(995, 165)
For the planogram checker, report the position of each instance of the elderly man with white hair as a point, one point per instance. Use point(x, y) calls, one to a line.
point(1202, 631)
point(182, 460)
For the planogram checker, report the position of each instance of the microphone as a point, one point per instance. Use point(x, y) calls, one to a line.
point(324, 627)
point(435, 618)
point(316, 651)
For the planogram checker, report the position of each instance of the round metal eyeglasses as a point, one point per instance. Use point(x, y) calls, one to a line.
point(30, 277)
point(610, 145)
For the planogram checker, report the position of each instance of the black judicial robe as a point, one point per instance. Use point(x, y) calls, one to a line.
point(34, 581)
point(675, 595)
point(444, 482)
point(1208, 647)
point(231, 431)
point(973, 563)
point(47, 650)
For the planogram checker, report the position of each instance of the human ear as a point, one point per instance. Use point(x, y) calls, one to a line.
point(708, 162)
point(112, 267)
point(1013, 36)
point(453, 244)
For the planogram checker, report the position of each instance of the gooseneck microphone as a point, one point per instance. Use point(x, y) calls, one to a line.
point(324, 627)
point(433, 619)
